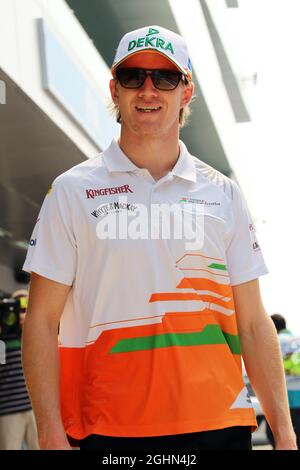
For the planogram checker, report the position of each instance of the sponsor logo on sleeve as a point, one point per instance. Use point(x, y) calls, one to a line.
point(256, 246)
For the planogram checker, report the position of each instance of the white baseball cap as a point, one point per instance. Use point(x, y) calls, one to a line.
point(157, 39)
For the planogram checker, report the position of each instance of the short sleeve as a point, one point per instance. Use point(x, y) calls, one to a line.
point(244, 257)
point(52, 249)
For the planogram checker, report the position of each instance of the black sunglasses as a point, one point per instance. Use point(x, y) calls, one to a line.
point(161, 79)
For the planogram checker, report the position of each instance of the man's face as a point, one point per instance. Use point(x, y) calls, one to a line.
point(169, 103)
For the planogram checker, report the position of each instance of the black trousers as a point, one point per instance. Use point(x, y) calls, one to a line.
point(233, 438)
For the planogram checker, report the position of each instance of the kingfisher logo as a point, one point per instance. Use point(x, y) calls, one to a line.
point(154, 42)
point(92, 193)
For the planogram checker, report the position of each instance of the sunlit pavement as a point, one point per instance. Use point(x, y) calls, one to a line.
point(263, 447)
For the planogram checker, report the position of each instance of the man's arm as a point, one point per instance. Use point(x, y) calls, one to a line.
point(40, 358)
point(263, 362)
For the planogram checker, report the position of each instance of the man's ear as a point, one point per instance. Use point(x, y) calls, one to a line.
point(114, 90)
point(187, 94)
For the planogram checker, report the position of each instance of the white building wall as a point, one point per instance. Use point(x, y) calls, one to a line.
point(261, 39)
point(277, 158)
point(20, 58)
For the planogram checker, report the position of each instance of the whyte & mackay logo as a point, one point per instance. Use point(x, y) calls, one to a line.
point(113, 207)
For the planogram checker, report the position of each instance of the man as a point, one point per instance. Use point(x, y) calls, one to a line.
point(150, 325)
point(17, 424)
point(290, 349)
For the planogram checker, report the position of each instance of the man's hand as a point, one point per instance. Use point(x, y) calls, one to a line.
point(54, 441)
point(286, 445)
point(263, 362)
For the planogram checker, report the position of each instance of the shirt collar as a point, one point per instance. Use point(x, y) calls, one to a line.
point(116, 160)
point(185, 166)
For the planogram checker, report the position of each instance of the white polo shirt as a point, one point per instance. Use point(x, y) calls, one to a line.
point(148, 337)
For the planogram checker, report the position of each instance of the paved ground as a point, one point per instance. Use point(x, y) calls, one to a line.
point(259, 438)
